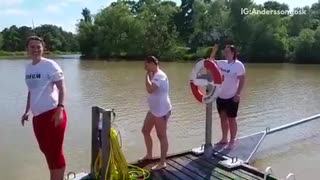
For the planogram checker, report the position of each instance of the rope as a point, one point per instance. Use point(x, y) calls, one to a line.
point(117, 167)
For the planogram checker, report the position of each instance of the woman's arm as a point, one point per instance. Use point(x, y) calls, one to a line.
point(61, 87)
point(28, 103)
point(214, 51)
point(151, 86)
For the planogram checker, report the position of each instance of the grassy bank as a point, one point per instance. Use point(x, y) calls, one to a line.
point(178, 54)
point(23, 54)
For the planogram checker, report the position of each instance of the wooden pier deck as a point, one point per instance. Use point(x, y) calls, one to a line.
point(221, 164)
point(190, 166)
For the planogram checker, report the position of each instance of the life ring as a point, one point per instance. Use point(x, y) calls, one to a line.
point(214, 85)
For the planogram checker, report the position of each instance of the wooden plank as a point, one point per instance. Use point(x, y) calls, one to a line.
point(211, 171)
point(219, 168)
point(170, 172)
point(213, 166)
point(105, 138)
point(94, 137)
point(164, 175)
point(184, 168)
point(200, 172)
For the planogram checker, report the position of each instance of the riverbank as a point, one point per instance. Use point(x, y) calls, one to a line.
point(184, 54)
point(180, 54)
point(23, 54)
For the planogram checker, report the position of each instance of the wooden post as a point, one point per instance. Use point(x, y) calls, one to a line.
point(105, 139)
point(94, 137)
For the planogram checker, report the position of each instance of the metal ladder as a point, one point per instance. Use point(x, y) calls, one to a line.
point(269, 172)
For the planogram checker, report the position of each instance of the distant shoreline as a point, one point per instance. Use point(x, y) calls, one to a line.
point(23, 54)
point(4, 55)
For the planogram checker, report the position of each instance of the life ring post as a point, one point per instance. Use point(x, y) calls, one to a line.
point(208, 139)
point(212, 80)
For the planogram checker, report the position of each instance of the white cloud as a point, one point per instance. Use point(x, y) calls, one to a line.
point(17, 12)
point(53, 8)
point(10, 3)
point(69, 1)
point(56, 8)
point(63, 4)
point(66, 24)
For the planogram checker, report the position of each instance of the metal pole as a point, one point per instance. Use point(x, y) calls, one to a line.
point(317, 116)
point(208, 144)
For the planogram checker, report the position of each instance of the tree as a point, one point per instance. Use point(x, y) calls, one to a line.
point(56, 39)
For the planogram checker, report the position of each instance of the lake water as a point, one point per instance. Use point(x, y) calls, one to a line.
point(275, 94)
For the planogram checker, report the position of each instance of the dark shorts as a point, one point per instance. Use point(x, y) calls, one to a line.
point(228, 106)
point(167, 116)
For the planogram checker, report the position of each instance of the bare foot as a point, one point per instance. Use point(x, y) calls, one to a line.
point(145, 158)
point(231, 145)
point(221, 142)
point(159, 165)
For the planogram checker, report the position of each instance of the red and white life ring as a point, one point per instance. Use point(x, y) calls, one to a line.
point(195, 82)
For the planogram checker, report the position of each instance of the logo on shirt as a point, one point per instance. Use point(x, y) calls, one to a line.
point(33, 76)
point(225, 70)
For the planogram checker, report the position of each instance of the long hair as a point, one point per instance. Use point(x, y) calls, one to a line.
point(152, 59)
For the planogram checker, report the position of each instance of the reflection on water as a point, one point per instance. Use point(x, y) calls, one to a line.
point(274, 95)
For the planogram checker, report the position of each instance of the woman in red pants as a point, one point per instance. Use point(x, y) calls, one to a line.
point(46, 93)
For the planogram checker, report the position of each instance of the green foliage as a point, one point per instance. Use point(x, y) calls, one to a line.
point(134, 29)
point(14, 39)
point(1, 41)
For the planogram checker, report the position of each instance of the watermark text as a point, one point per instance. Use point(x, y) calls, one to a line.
point(253, 11)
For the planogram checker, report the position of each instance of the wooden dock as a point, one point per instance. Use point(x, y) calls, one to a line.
point(190, 166)
point(198, 163)
point(222, 165)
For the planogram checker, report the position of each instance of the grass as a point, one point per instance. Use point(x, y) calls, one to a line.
point(23, 54)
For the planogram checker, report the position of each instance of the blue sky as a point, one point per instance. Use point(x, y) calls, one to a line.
point(66, 13)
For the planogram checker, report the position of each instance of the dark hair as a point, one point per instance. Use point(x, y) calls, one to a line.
point(234, 50)
point(152, 59)
point(35, 38)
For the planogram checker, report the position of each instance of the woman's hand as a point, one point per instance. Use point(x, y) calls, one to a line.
point(150, 75)
point(58, 116)
point(24, 118)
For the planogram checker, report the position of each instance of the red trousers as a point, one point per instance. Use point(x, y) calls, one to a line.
point(50, 138)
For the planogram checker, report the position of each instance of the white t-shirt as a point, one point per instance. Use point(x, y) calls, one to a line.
point(230, 72)
point(159, 101)
point(40, 80)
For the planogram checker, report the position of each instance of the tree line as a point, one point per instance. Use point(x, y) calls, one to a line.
point(133, 29)
point(13, 39)
point(129, 29)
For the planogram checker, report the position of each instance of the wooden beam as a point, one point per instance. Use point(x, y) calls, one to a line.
point(105, 139)
point(94, 137)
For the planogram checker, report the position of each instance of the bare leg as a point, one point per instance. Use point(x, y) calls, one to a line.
point(146, 130)
point(224, 128)
point(57, 174)
point(233, 131)
point(161, 128)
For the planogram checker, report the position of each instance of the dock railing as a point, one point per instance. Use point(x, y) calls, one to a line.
point(105, 139)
